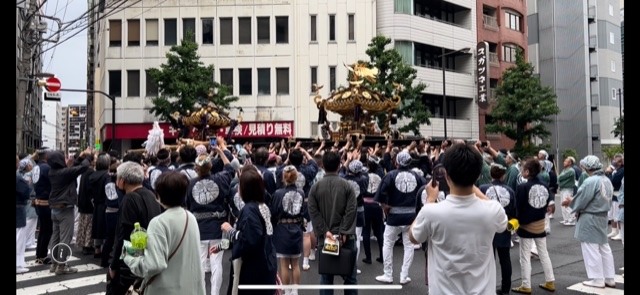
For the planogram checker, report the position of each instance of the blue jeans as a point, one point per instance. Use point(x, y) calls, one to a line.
point(348, 280)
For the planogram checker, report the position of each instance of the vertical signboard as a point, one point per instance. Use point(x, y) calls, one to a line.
point(482, 74)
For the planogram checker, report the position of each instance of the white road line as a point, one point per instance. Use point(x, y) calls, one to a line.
point(63, 285)
point(599, 291)
point(31, 263)
point(101, 293)
point(45, 273)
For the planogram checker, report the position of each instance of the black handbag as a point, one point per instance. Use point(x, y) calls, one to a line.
point(342, 264)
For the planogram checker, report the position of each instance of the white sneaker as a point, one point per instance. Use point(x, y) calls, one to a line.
point(622, 268)
point(312, 255)
point(417, 247)
point(31, 247)
point(594, 283)
point(404, 281)
point(306, 267)
point(358, 271)
point(384, 279)
point(511, 244)
point(617, 237)
point(613, 233)
point(20, 269)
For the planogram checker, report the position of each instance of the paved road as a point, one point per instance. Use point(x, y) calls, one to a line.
point(564, 251)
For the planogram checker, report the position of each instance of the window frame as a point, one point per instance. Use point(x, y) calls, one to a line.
point(184, 28)
point(112, 91)
point(244, 30)
point(224, 31)
point(314, 77)
point(261, 84)
point(149, 83)
point(513, 51)
point(261, 29)
point(332, 78)
point(136, 82)
point(113, 39)
point(280, 88)
point(244, 80)
point(151, 42)
point(285, 38)
point(202, 32)
point(224, 74)
point(133, 43)
point(332, 28)
point(175, 27)
point(351, 27)
point(509, 22)
point(313, 28)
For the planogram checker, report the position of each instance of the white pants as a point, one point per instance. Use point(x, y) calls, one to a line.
point(598, 260)
point(215, 263)
point(547, 223)
point(20, 245)
point(567, 216)
point(30, 231)
point(613, 212)
point(358, 240)
point(621, 226)
point(390, 236)
point(525, 260)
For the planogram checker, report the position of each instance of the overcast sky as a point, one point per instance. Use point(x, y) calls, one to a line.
point(68, 59)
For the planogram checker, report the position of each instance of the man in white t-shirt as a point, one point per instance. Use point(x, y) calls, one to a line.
point(459, 230)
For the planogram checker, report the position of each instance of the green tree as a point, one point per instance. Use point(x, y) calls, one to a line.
point(522, 106)
point(184, 80)
point(618, 130)
point(570, 153)
point(393, 70)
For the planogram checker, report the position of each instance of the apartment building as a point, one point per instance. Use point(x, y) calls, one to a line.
point(575, 47)
point(76, 124)
point(423, 32)
point(269, 52)
point(502, 24)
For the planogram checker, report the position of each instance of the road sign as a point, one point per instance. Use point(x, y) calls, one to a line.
point(53, 84)
point(52, 96)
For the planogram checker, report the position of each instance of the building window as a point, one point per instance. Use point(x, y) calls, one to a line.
point(170, 32)
point(115, 83)
point(314, 77)
point(282, 80)
point(207, 31)
point(244, 30)
point(226, 31)
point(614, 94)
point(402, 6)
point(264, 81)
point(133, 83)
point(264, 30)
point(332, 27)
point(612, 38)
point(512, 20)
point(613, 66)
point(152, 86)
point(244, 76)
point(189, 29)
point(352, 29)
point(133, 33)
point(282, 29)
point(314, 34)
point(509, 52)
point(152, 32)
point(115, 32)
point(332, 78)
point(610, 10)
point(226, 78)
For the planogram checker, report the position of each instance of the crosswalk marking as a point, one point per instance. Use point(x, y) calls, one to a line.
point(45, 273)
point(32, 261)
point(63, 285)
point(599, 291)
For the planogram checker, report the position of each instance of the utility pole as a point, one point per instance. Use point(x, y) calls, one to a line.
point(620, 116)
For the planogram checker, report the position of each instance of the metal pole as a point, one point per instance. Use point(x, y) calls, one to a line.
point(444, 96)
point(620, 115)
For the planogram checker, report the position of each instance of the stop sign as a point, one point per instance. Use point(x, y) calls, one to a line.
point(53, 84)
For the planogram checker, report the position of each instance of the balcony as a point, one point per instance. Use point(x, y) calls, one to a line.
point(493, 59)
point(591, 12)
point(593, 71)
point(593, 42)
point(595, 100)
point(490, 22)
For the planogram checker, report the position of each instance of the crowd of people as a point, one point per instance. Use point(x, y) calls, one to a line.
point(275, 206)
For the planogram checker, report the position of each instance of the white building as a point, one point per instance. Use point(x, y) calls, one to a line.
point(271, 52)
point(61, 132)
point(53, 125)
point(421, 29)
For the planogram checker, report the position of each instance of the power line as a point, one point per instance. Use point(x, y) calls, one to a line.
point(63, 16)
point(93, 22)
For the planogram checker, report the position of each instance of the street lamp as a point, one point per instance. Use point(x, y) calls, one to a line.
point(444, 92)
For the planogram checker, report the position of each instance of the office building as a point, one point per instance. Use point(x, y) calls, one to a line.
point(270, 55)
point(576, 48)
point(422, 31)
point(502, 24)
point(76, 137)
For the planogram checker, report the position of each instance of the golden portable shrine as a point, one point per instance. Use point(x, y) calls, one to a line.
point(358, 105)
